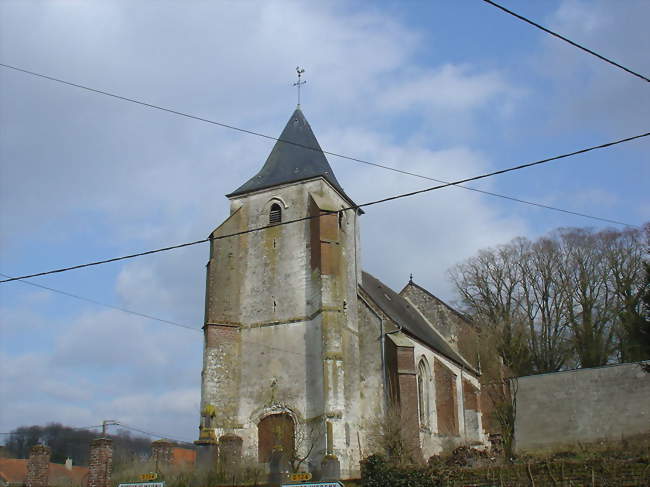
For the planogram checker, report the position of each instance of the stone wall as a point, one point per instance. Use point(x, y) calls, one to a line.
point(456, 329)
point(582, 405)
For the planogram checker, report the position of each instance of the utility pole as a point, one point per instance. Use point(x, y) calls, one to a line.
point(107, 422)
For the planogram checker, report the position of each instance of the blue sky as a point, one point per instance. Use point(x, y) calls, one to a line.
point(446, 89)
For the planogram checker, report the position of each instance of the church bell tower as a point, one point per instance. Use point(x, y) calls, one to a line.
point(280, 332)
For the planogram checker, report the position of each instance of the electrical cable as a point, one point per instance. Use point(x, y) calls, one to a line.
point(575, 44)
point(156, 435)
point(355, 207)
point(99, 303)
point(150, 317)
point(342, 156)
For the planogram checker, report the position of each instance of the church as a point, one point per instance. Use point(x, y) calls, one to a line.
point(306, 353)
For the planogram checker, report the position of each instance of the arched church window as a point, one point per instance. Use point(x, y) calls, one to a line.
point(275, 215)
point(423, 393)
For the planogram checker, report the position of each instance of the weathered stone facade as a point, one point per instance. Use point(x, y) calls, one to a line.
point(289, 331)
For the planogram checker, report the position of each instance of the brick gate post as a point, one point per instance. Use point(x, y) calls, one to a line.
point(100, 465)
point(38, 466)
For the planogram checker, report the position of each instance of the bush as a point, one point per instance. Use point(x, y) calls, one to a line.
point(377, 472)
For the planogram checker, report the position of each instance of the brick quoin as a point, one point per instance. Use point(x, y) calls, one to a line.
point(100, 465)
point(38, 466)
point(216, 334)
point(405, 360)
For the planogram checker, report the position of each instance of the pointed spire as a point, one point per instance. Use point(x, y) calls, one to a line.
point(296, 156)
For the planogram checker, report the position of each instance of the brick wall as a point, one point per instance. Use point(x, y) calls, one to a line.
point(38, 466)
point(446, 401)
point(100, 465)
point(470, 396)
point(217, 334)
point(161, 452)
point(408, 395)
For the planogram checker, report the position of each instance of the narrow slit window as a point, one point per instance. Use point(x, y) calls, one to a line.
point(275, 216)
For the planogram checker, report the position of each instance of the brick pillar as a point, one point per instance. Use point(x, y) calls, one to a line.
point(38, 466)
point(408, 395)
point(100, 464)
point(161, 453)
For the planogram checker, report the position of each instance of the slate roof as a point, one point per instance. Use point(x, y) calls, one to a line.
point(403, 314)
point(300, 159)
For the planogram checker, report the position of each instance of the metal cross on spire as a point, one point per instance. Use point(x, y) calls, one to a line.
point(299, 70)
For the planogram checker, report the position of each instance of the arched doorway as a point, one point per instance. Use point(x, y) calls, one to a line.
point(274, 432)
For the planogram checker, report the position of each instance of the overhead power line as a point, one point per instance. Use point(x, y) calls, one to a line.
point(334, 154)
point(575, 44)
point(147, 316)
point(156, 435)
point(355, 207)
point(106, 305)
point(150, 317)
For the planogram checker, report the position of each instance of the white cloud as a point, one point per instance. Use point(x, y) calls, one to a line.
point(588, 91)
point(90, 175)
point(449, 87)
point(415, 231)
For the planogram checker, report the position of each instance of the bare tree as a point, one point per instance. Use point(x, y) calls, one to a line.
point(489, 288)
point(591, 311)
point(544, 301)
point(575, 296)
point(308, 436)
point(502, 394)
point(629, 279)
point(388, 436)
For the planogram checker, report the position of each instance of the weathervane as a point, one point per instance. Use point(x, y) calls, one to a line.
point(299, 70)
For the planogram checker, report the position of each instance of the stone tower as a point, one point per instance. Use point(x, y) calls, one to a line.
point(281, 355)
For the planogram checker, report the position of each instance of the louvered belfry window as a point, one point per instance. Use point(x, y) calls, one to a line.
point(275, 216)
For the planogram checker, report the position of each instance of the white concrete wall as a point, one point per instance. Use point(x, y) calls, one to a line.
point(582, 405)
